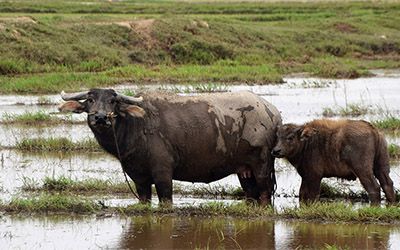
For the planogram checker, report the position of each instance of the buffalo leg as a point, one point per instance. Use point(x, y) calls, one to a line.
point(144, 191)
point(249, 186)
point(163, 183)
point(164, 191)
point(142, 184)
point(264, 182)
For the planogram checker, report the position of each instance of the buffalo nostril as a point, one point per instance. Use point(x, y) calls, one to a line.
point(275, 151)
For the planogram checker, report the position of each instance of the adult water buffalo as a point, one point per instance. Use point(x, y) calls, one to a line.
point(198, 139)
point(345, 148)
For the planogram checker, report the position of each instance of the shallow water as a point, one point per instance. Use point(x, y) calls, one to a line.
point(188, 233)
point(297, 104)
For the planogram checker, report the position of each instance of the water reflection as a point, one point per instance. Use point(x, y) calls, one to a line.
point(190, 233)
point(213, 233)
point(354, 236)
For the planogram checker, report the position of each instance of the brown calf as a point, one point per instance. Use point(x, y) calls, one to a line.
point(345, 149)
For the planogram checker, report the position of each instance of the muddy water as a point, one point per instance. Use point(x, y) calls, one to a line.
point(297, 102)
point(188, 233)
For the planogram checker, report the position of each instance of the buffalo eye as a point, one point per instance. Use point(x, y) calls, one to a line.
point(290, 138)
point(90, 100)
point(112, 101)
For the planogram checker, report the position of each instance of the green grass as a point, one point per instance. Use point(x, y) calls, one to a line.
point(238, 209)
point(349, 110)
point(67, 185)
point(320, 211)
point(390, 124)
point(394, 151)
point(68, 45)
point(39, 118)
point(51, 203)
point(57, 144)
point(342, 212)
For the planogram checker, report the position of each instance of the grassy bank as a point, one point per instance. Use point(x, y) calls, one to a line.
point(337, 212)
point(49, 46)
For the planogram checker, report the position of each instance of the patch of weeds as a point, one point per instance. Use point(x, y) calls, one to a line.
point(44, 100)
point(342, 212)
point(51, 203)
point(215, 191)
point(239, 209)
point(354, 109)
point(59, 184)
point(391, 123)
point(129, 92)
point(312, 84)
point(90, 185)
point(328, 112)
point(29, 184)
point(200, 52)
point(57, 144)
point(28, 118)
point(334, 247)
point(39, 118)
point(196, 88)
point(350, 110)
point(394, 151)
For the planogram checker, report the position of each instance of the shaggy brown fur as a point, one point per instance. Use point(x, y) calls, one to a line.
point(345, 148)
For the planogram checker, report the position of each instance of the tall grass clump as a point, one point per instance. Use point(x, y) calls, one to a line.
point(51, 203)
point(238, 209)
point(349, 110)
point(340, 212)
point(57, 144)
point(391, 123)
point(63, 183)
point(394, 151)
point(29, 118)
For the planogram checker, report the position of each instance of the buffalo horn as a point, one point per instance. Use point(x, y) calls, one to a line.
point(74, 96)
point(129, 99)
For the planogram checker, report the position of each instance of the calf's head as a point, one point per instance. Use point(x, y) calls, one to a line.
point(102, 105)
point(291, 138)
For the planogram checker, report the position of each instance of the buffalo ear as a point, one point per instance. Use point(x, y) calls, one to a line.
point(132, 110)
point(307, 133)
point(72, 106)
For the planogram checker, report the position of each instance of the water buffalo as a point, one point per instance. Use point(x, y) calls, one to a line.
point(198, 139)
point(344, 148)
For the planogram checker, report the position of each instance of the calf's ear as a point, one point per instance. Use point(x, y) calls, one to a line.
point(72, 106)
point(307, 132)
point(132, 110)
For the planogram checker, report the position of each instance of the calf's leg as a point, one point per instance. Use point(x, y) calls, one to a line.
point(370, 184)
point(387, 185)
point(309, 189)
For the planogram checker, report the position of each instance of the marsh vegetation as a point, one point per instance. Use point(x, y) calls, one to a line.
point(71, 45)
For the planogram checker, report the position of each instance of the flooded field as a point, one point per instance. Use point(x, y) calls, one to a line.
point(300, 100)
